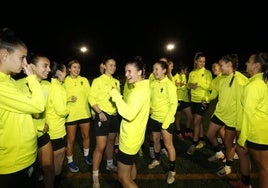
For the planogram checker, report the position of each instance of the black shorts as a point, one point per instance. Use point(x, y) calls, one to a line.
point(255, 146)
point(126, 158)
point(230, 128)
point(77, 122)
point(217, 121)
point(43, 140)
point(155, 126)
point(182, 105)
point(58, 143)
point(198, 108)
point(112, 125)
point(23, 178)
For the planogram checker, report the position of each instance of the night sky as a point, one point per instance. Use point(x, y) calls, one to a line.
point(124, 33)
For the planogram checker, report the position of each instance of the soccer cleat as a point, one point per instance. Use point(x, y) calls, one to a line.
point(236, 156)
point(171, 177)
point(200, 144)
point(96, 185)
point(191, 150)
point(224, 171)
point(72, 167)
point(153, 164)
point(180, 137)
point(112, 168)
point(239, 184)
point(216, 157)
point(88, 160)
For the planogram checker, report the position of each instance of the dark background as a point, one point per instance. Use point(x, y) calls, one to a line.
point(124, 31)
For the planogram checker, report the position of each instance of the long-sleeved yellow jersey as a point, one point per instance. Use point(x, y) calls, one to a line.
point(228, 108)
point(56, 110)
point(78, 87)
point(135, 112)
point(99, 93)
point(164, 101)
point(255, 112)
point(18, 135)
point(203, 78)
point(38, 119)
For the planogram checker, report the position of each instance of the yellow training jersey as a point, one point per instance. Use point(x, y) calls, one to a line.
point(18, 135)
point(203, 78)
point(38, 119)
point(56, 110)
point(99, 93)
point(255, 112)
point(182, 89)
point(229, 106)
point(78, 87)
point(163, 101)
point(135, 112)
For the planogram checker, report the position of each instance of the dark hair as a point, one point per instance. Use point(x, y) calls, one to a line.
point(54, 66)
point(233, 58)
point(137, 61)
point(198, 55)
point(70, 63)
point(165, 65)
point(33, 58)
point(9, 41)
point(107, 58)
point(262, 58)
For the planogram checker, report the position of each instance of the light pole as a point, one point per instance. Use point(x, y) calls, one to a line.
point(83, 52)
point(170, 47)
point(83, 49)
point(79, 52)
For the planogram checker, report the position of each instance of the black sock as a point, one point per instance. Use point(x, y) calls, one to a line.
point(229, 162)
point(151, 143)
point(172, 166)
point(157, 156)
point(194, 143)
point(245, 180)
point(217, 148)
point(57, 181)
